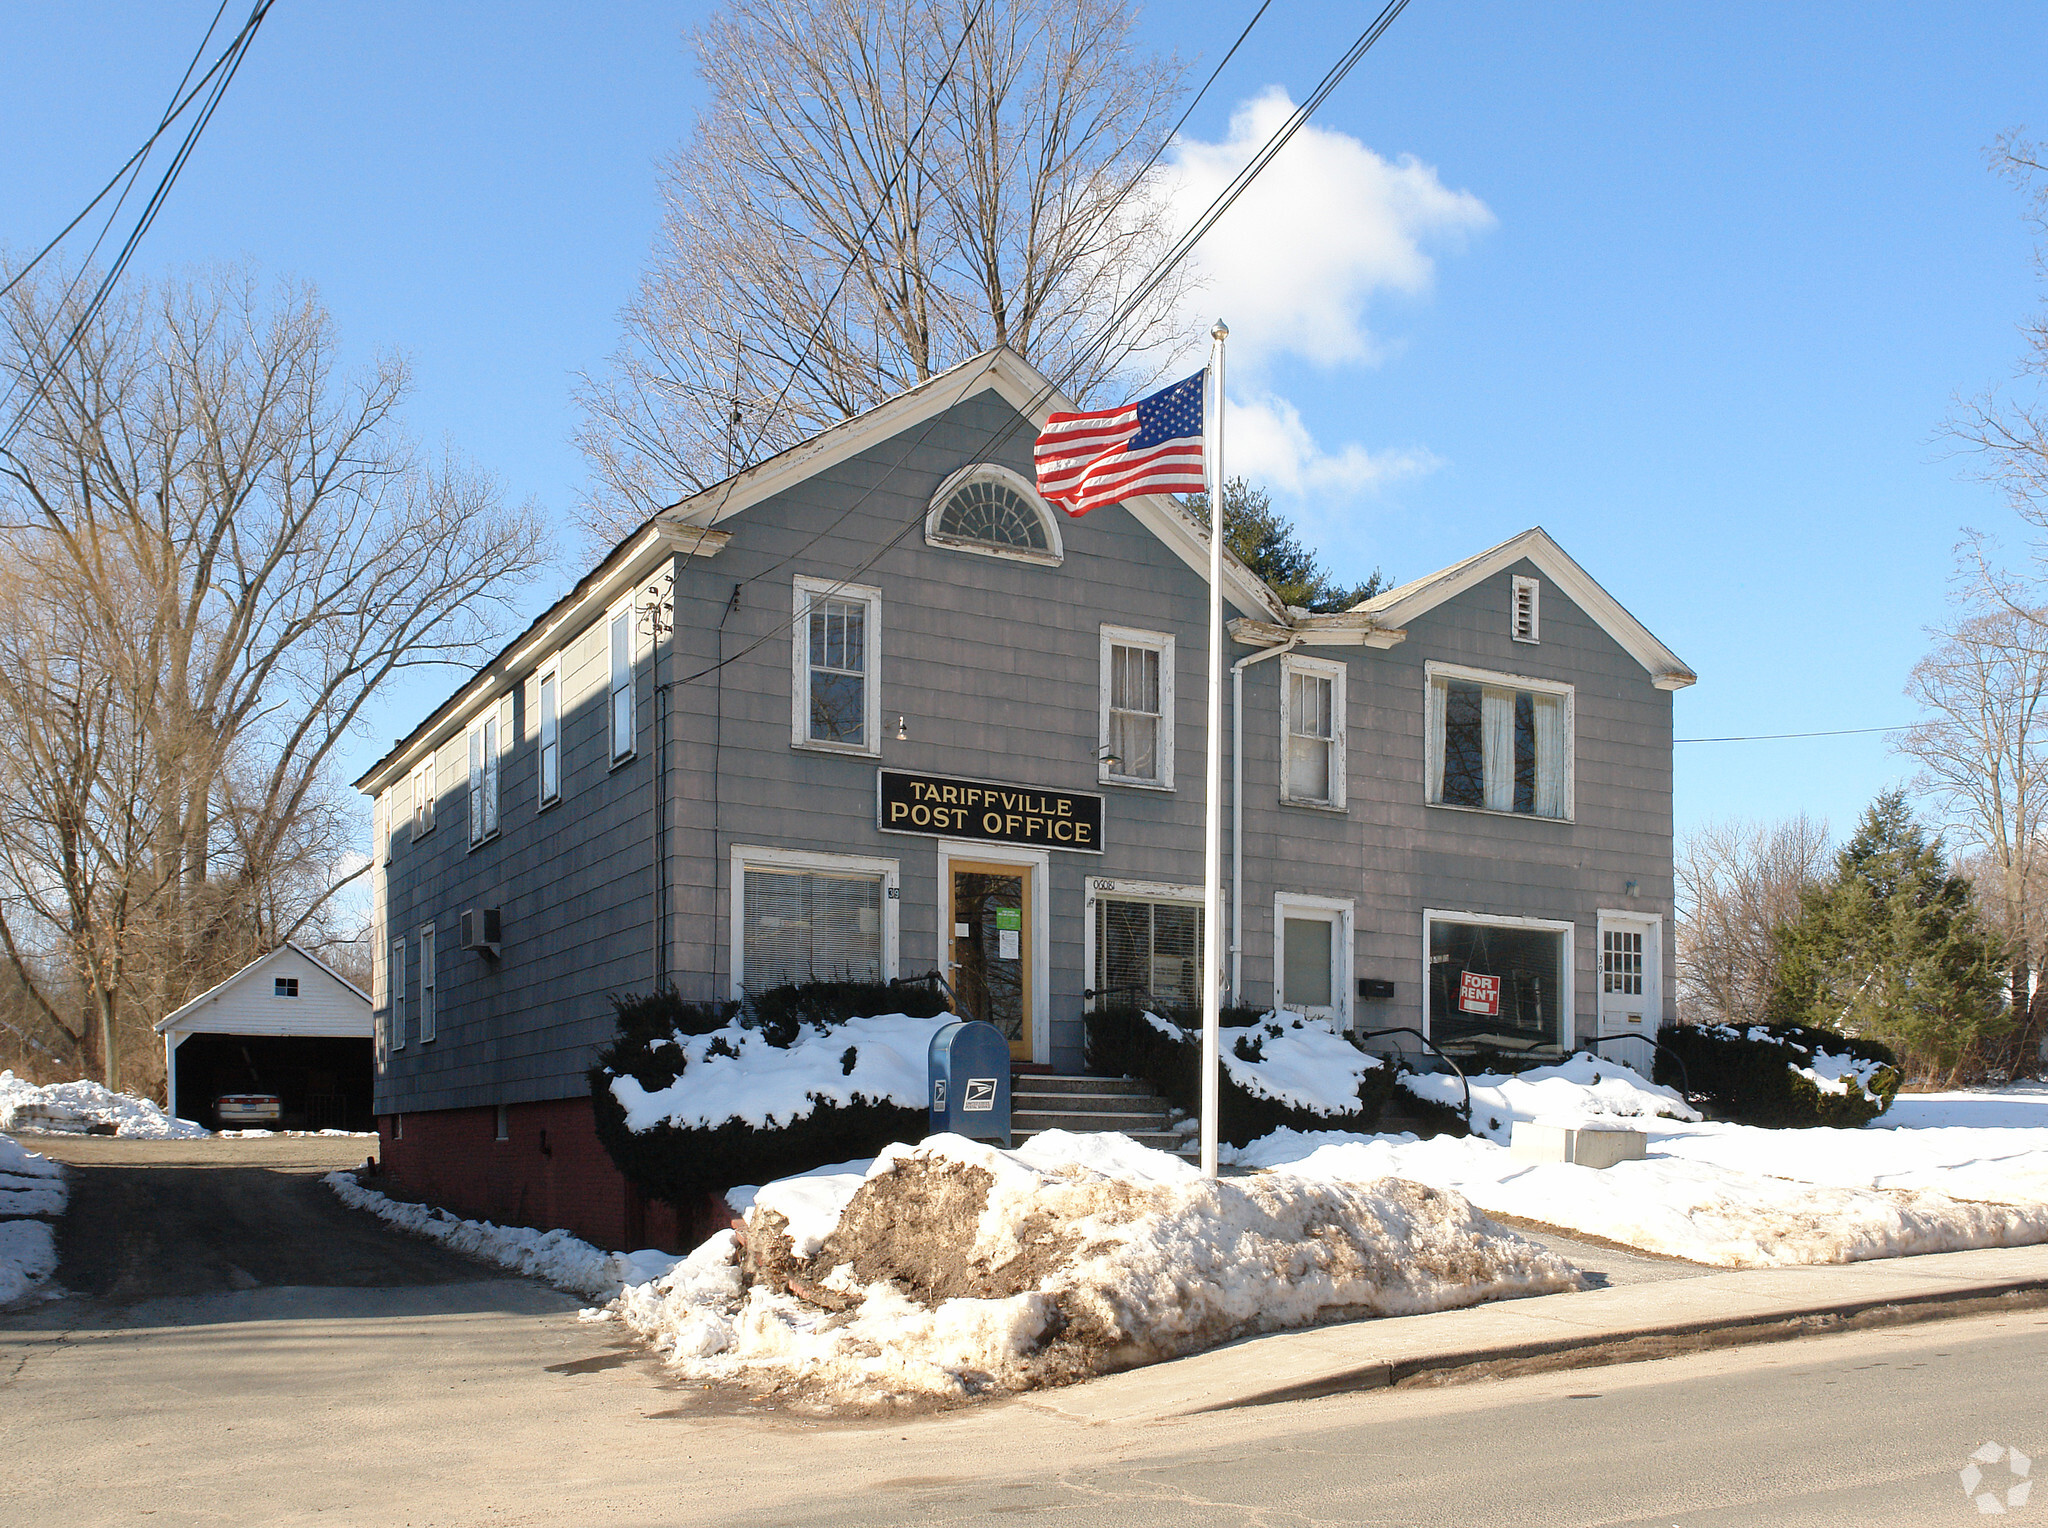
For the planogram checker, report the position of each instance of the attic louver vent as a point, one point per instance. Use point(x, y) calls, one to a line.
point(1525, 629)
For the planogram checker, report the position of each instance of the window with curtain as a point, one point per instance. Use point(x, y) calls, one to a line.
point(1499, 747)
point(1147, 948)
point(1134, 715)
point(799, 925)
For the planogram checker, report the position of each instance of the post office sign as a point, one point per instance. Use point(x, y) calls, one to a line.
point(942, 806)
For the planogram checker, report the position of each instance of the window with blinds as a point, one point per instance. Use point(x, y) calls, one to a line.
point(1146, 950)
point(798, 925)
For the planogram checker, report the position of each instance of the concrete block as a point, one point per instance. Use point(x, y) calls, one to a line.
point(1583, 1145)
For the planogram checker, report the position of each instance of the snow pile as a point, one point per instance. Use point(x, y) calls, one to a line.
point(1301, 1062)
point(1581, 1090)
point(734, 1073)
point(28, 1256)
point(564, 1261)
point(25, 1106)
point(30, 1185)
point(952, 1268)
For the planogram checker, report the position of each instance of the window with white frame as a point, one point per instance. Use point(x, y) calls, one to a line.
point(835, 678)
point(548, 707)
point(381, 824)
point(991, 510)
point(1497, 743)
point(1499, 982)
point(1312, 731)
point(483, 776)
point(1312, 955)
point(426, 983)
point(1136, 741)
point(423, 796)
point(620, 641)
point(1147, 949)
point(800, 917)
point(1522, 615)
point(285, 986)
point(396, 985)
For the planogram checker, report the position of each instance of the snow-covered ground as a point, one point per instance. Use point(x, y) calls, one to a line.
point(87, 1103)
point(1731, 1195)
point(565, 1261)
point(951, 1268)
point(31, 1185)
point(1298, 1061)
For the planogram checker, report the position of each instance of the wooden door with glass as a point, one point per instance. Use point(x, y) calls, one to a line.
point(989, 913)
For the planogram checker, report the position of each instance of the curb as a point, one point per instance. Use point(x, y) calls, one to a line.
point(1645, 1343)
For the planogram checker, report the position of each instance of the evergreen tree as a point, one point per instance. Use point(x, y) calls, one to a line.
point(1893, 947)
point(1266, 542)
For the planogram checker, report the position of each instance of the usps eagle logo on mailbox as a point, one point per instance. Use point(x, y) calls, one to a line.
point(980, 1097)
point(1479, 994)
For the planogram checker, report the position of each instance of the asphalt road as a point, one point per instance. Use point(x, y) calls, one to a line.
point(487, 1401)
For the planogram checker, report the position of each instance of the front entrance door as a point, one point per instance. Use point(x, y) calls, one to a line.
point(1629, 989)
point(989, 913)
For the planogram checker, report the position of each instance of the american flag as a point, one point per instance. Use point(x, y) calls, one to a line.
point(1151, 446)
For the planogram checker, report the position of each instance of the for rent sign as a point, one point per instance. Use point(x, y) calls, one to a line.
point(1479, 994)
point(944, 807)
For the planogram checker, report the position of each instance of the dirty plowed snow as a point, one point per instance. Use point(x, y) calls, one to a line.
point(955, 1268)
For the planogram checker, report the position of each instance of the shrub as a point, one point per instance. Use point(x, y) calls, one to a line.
point(1751, 1074)
point(678, 1163)
point(1122, 1042)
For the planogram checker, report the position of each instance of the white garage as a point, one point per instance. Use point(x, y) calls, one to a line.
point(286, 1023)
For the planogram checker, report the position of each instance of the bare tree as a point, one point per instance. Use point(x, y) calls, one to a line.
point(1018, 214)
point(1738, 886)
point(216, 550)
point(1984, 760)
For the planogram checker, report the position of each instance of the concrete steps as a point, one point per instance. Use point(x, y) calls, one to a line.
point(1042, 1102)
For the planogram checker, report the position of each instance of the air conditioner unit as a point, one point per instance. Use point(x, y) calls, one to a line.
point(480, 930)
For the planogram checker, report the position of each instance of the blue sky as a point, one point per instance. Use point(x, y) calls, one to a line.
point(1694, 290)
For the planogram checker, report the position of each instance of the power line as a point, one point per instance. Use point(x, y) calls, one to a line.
point(225, 67)
point(1774, 737)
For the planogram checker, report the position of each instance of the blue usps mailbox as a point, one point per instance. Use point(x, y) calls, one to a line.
point(970, 1082)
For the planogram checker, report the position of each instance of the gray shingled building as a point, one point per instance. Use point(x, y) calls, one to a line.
point(871, 708)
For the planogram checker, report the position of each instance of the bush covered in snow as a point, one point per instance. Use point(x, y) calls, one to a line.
point(1781, 1075)
point(693, 1098)
point(1279, 1072)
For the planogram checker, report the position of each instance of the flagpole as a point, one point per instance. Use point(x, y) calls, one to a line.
point(1213, 941)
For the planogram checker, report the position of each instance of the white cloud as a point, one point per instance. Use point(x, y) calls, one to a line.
point(1265, 440)
point(1325, 227)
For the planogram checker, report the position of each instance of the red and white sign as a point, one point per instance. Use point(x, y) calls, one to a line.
point(1479, 994)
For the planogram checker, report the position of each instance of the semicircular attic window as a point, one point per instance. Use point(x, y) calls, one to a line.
point(991, 510)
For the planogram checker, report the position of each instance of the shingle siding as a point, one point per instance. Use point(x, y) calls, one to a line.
point(994, 666)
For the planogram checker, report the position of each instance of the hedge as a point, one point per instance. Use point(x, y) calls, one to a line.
point(1122, 1043)
point(1748, 1074)
point(676, 1163)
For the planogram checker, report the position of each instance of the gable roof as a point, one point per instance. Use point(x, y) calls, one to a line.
point(219, 989)
point(693, 524)
point(1399, 605)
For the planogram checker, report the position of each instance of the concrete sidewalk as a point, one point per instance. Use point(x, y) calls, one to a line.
point(1619, 1323)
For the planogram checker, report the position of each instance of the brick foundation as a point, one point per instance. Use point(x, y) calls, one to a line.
point(550, 1172)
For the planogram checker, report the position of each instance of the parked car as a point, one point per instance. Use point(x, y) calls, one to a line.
point(237, 1111)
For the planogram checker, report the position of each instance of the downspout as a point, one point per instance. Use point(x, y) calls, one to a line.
point(1237, 804)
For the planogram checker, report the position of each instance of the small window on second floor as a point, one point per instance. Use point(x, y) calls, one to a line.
point(550, 709)
point(1136, 741)
point(621, 639)
point(423, 797)
point(483, 776)
point(835, 679)
point(991, 510)
point(1312, 731)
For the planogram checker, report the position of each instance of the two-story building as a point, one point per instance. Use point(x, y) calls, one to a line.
point(873, 708)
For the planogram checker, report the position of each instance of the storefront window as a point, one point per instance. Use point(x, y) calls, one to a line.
point(1496, 984)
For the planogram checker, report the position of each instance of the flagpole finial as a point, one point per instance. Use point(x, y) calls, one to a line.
point(1221, 331)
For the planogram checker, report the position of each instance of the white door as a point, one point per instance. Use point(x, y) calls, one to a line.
point(1629, 987)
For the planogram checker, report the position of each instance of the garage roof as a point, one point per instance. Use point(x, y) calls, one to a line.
point(249, 1003)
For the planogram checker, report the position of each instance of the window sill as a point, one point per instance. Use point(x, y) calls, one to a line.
point(550, 804)
point(1165, 786)
point(846, 750)
point(478, 843)
point(1487, 811)
point(1334, 808)
point(622, 760)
